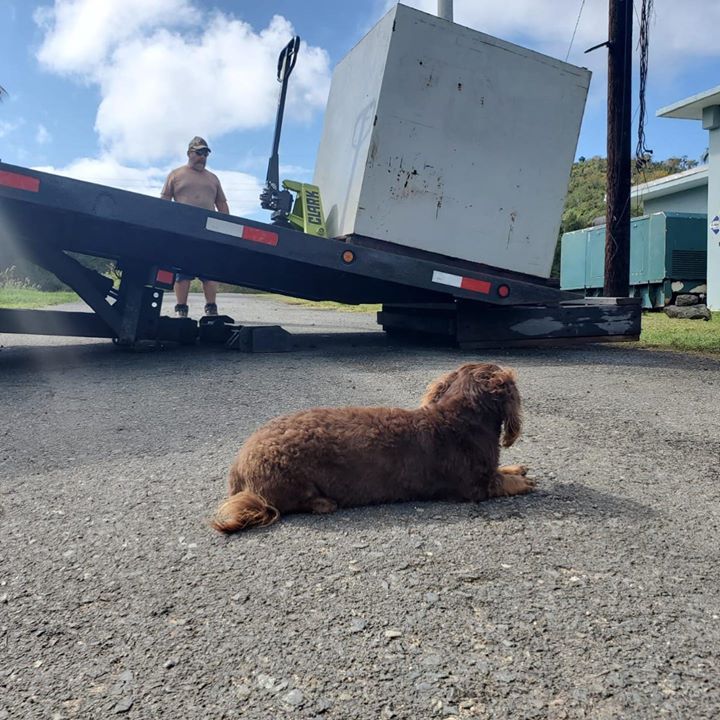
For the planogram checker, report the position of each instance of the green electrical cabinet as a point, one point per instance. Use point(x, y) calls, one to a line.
point(668, 255)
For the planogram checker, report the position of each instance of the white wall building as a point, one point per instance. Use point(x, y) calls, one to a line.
point(685, 192)
point(706, 108)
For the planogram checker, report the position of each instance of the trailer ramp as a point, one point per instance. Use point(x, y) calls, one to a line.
point(46, 217)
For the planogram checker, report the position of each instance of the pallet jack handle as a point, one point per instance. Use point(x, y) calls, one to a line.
point(286, 63)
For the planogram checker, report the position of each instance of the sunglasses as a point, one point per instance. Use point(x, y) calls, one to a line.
point(204, 152)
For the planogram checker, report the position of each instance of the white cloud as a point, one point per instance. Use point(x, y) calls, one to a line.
point(241, 189)
point(42, 136)
point(243, 193)
point(81, 33)
point(296, 172)
point(7, 127)
point(163, 82)
point(107, 171)
point(679, 33)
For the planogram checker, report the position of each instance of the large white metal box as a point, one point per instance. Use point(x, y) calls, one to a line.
point(445, 139)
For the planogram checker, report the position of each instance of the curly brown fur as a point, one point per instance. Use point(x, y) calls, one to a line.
point(244, 509)
point(321, 459)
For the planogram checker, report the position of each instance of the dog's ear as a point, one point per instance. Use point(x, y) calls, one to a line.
point(486, 388)
point(437, 388)
point(512, 418)
point(495, 385)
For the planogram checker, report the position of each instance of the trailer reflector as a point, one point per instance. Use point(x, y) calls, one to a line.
point(21, 182)
point(481, 286)
point(503, 291)
point(165, 277)
point(260, 236)
point(265, 237)
point(464, 283)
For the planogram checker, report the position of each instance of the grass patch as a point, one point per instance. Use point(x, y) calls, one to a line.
point(658, 330)
point(327, 304)
point(29, 298)
point(664, 333)
point(196, 287)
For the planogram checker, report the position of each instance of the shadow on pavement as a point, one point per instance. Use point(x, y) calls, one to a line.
point(346, 345)
point(572, 500)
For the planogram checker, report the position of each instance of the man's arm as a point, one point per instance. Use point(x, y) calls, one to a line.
point(220, 200)
point(167, 192)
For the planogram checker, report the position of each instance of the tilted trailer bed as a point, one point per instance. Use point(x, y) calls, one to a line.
point(43, 217)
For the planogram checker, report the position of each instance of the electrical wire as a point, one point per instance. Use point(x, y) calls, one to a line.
point(577, 22)
point(642, 152)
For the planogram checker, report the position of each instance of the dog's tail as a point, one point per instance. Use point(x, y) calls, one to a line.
point(242, 510)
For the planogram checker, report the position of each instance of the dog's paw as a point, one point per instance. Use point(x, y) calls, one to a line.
point(514, 469)
point(514, 485)
point(323, 505)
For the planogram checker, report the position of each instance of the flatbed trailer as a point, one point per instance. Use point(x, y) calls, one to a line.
point(44, 217)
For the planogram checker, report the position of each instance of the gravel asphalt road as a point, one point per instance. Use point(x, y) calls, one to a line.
point(598, 596)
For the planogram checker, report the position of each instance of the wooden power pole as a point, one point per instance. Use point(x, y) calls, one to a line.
point(619, 126)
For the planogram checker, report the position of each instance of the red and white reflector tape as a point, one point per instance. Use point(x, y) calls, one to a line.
point(21, 182)
point(245, 232)
point(459, 281)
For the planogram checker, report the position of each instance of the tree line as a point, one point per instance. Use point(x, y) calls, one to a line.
point(585, 200)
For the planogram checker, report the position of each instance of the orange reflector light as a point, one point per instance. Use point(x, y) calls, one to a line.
point(348, 256)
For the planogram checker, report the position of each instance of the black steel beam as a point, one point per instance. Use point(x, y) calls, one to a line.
point(53, 322)
point(86, 283)
point(480, 325)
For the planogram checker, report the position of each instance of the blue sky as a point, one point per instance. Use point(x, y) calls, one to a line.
point(112, 90)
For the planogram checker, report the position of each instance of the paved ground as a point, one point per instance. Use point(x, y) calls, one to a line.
point(596, 597)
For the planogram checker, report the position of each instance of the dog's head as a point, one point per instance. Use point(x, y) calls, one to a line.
point(486, 389)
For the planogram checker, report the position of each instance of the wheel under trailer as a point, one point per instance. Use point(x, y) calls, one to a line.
point(45, 217)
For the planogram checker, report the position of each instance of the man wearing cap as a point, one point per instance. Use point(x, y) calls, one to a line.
point(193, 184)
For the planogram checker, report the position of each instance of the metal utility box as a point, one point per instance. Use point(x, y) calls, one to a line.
point(448, 140)
point(668, 255)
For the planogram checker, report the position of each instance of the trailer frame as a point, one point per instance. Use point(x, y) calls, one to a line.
point(45, 217)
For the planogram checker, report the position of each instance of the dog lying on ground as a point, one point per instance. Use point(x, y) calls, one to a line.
point(327, 458)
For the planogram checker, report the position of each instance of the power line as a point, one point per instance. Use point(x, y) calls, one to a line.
point(572, 39)
point(641, 151)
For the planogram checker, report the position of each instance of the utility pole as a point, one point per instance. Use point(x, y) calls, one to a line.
point(619, 126)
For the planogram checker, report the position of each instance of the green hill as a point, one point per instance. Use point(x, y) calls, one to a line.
point(585, 199)
point(586, 193)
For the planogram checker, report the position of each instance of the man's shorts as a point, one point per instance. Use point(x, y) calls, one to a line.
point(180, 276)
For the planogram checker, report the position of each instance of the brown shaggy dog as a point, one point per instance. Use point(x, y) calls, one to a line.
point(322, 459)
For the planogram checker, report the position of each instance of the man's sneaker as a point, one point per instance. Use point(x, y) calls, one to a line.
point(211, 309)
point(181, 311)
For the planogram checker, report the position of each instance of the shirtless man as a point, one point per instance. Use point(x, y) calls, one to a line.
point(194, 185)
